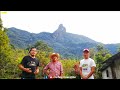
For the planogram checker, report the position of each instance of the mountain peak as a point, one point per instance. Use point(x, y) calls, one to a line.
point(59, 32)
point(61, 29)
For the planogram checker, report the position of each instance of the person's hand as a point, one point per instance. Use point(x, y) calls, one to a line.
point(47, 73)
point(28, 70)
point(37, 71)
point(84, 77)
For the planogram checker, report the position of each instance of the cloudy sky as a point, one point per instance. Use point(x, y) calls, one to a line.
point(101, 26)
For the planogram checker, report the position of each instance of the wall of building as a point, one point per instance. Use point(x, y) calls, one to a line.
point(104, 73)
point(117, 68)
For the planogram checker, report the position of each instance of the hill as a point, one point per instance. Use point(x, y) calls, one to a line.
point(67, 44)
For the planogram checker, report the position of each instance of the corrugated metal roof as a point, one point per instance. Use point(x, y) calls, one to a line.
point(110, 61)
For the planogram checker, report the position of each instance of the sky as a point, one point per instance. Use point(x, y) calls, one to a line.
point(101, 26)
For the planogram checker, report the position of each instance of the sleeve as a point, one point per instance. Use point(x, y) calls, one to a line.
point(46, 67)
point(93, 63)
point(80, 65)
point(23, 61)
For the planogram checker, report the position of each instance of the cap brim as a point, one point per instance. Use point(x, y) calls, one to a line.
point(85, 51)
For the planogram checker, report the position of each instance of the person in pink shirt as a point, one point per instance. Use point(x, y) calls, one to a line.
point(54, 68)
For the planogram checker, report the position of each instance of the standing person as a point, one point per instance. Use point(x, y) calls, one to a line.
point(87, 66)
point(29, 65)
point(54, 66)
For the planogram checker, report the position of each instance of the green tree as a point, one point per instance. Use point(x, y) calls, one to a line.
point(68, 67)
point(92, 53)
point(5, 52)
point(0, 22)
point(101, 55)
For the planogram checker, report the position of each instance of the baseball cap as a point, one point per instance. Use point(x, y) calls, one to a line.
point(86, 49)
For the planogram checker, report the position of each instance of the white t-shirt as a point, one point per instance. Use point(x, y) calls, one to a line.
point(86, 65)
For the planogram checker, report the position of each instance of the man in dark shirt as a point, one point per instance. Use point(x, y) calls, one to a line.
point(29, 65)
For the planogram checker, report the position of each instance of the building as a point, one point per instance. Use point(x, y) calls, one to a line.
point(111, 67)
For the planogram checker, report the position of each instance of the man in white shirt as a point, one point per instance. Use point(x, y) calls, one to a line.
point(87, 66)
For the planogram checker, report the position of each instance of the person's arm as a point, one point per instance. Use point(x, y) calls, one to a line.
point(80, 66)
point(92, 71)
point(24, 69)
point(61, 70)
point(83, 77)
point(21, 66)
point(93, 65)
point(77, 68)
point(37, 70)
point(45, 69)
